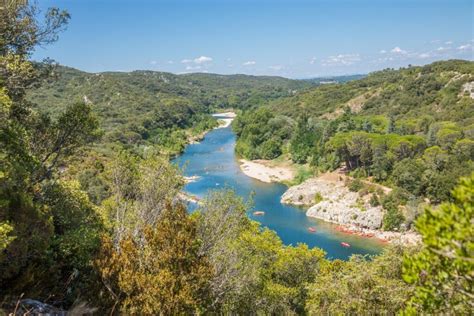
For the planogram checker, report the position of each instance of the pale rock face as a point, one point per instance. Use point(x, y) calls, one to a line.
point(337, 204)
point(469, 88)
point(342, 213)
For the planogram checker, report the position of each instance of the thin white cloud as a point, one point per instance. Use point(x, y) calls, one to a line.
point(249, 63)
point(153, 62)
point(202, 59)
point(170, 62)
point(465, 47)
point(448, 42)
point(442, 49)
point(383, 51)
point(198, 60)
point(424, 55)
point(398, 50)
point(341, 60)
point(312, 60)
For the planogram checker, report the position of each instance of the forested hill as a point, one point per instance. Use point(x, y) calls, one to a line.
point(433, 90)
point(411, 128)
point(213, 90)
point(137, 107)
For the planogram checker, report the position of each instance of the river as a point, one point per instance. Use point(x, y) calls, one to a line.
point(213, 160)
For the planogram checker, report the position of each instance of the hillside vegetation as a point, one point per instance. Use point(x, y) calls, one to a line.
point(412, 129)
point(147, 107)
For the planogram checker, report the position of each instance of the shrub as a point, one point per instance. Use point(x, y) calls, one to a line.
point(374, 200)
point(318, 198)
point(356, 185)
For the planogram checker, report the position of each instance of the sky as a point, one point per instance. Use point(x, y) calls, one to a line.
point(289, 38)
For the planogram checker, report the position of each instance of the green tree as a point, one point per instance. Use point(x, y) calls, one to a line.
point(407, 174)
point(464, 149)
point(360, 286)
point(270, 149)
point(442, 272)
point(302, 141)
point(164, 273)
point(391, 125)
point(140, 189)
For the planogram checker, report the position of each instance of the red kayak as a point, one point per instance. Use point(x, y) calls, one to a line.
point(344, 244)
point(312, 229)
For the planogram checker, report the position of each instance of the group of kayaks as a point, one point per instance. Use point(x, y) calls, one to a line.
point(343, 244)
point(310, 229)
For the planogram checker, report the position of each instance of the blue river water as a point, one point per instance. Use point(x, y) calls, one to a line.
point(213, 160)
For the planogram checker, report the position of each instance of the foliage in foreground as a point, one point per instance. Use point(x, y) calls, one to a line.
point(360, 286)
point(161, 272)
point(443, 271)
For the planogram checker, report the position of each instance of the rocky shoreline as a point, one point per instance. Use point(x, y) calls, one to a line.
point(329, 199)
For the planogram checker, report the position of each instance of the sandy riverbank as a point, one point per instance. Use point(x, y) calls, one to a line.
point(225, 114)
point(224, 122)
point(224, 119)
point(261, 170)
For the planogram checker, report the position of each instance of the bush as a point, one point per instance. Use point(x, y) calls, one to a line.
point(318, 198)
point(356, 185)
point(392, 219)
point(302, 175)
point(374, 200)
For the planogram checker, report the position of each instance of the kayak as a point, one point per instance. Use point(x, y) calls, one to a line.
point(344, 244)
point(312, 229)
point(258, 213)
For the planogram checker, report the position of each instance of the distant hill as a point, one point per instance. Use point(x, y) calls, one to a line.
point(335, 79)
point(133, 103)
point(434, 90)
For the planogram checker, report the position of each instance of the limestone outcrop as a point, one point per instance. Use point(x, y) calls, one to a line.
point(330, 200)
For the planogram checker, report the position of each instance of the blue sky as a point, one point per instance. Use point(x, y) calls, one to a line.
point(292, 38)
